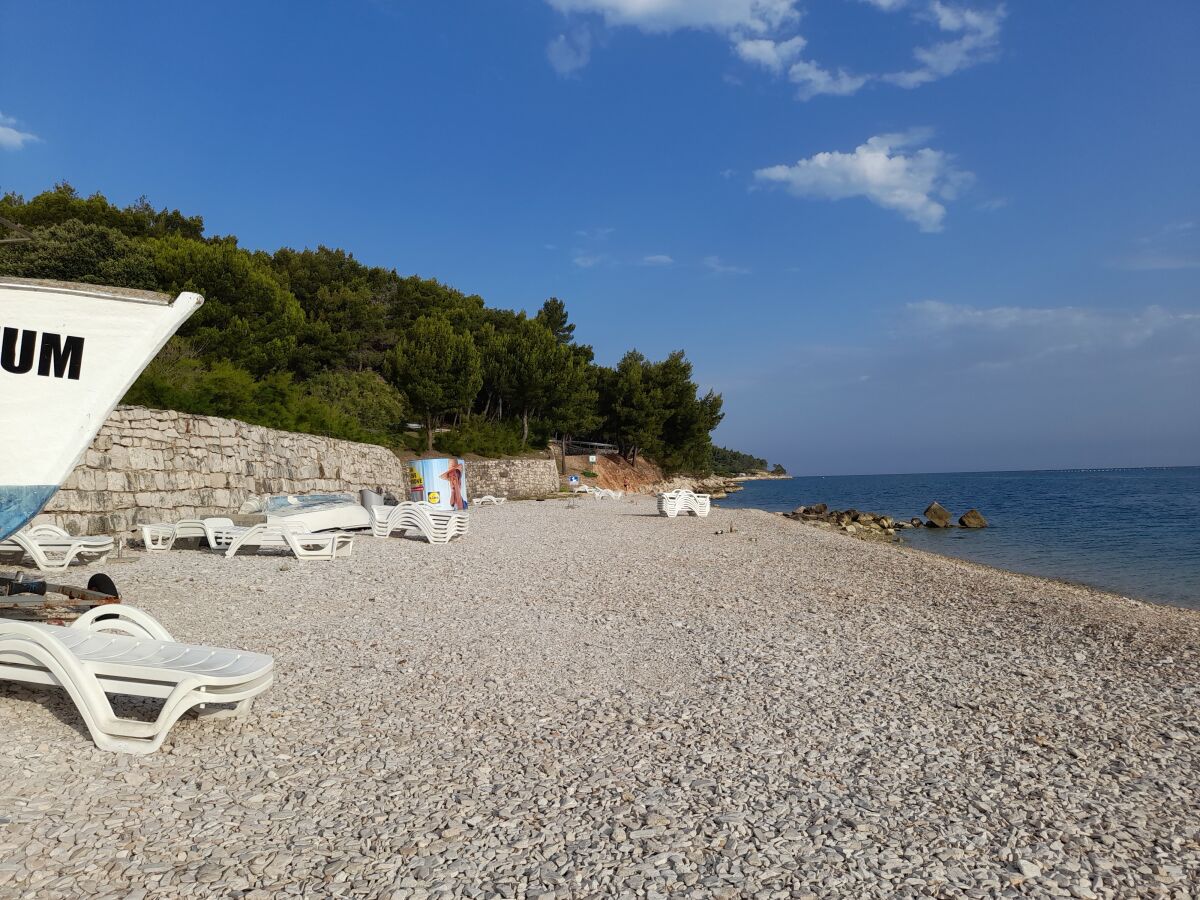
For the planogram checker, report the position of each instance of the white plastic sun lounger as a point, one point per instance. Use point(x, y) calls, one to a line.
point(163, 537)
point(321, 545)
point(117, 649)
point(218, 532)
point(53, 550)
point(673, 503)
point(488, 498)
point(381, 514)
point(607, 494)
point(438, 526)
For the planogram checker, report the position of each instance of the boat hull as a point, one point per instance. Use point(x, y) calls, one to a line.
point(317, 512)
point(68, 353)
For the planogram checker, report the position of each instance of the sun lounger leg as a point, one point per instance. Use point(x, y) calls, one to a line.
point(224, 711)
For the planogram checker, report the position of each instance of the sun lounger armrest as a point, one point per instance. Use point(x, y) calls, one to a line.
point(128, 620)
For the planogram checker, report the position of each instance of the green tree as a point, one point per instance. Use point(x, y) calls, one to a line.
point(438, 369)
point(535, 368)
point(553, 317)
point(689, 418)
point(634, 413)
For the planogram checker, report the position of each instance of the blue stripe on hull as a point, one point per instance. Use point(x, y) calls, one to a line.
point(20, 503)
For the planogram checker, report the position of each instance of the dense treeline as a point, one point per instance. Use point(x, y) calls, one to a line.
point(734, 462)
point(316, 341)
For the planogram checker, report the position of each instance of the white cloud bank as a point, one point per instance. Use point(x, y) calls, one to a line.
point(978, 41)
point(657, 259)
point(910, 183)
point(762, 33)
point(10, 137)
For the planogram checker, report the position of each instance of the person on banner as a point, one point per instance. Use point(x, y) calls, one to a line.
point(454, 475)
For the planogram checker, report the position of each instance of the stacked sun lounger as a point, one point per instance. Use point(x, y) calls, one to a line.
point(673, 503)
point(437, 526)
point(116, 649)
point(52, 549)
point(488, 498)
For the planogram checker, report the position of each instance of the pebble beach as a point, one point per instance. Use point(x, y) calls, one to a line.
point(588, 700)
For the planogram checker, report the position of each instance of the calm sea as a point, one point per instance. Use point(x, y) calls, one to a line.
point(1132, 531)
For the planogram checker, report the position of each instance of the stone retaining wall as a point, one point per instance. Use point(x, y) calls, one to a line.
point(517, 479)
point(149, 465)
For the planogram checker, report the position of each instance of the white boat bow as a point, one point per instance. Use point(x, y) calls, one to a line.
point(68, 353)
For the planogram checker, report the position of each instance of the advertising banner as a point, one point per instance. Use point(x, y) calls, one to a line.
point(439, 482)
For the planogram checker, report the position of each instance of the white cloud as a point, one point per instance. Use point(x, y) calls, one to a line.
point(1004, 336)
point(878, 171)
point(780, 56)
point(594, 234)
point(657, 259)
point(1174, 246)
point(714, 264)
point(978, 41)
point(570, 53)
point(10, 137)
point(728, 173)
point(1157, 262)
point(763, 33)
point(773, 55)
point(814, 80)
point(755, 16)
point(586, 261)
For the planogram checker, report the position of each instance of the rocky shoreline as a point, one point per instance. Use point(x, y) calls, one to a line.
point(879, 526)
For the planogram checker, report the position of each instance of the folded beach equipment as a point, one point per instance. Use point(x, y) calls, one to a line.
point(53, 550)
point(672, 503)
point(116, 649)
point(438, 526)
point(488, 498)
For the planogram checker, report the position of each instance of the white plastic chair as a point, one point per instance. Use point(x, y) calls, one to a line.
point(117, 649)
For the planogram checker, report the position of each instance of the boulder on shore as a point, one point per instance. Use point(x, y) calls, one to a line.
point(972, 518)
point(818, 509)
point(915, 522)
point(938, 515)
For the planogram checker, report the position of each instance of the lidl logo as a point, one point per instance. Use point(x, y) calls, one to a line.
point(435, 497)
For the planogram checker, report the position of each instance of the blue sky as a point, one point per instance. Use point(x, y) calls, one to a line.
point(897, 235)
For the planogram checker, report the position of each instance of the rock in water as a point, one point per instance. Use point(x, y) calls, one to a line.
point(818, 508)
point(972, 518)
point(938, 515)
